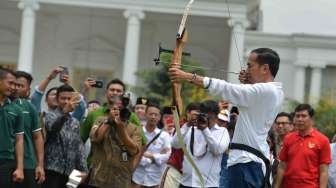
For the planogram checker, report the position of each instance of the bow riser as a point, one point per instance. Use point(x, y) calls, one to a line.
point(176, 62)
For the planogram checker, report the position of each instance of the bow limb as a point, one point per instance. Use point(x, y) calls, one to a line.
point(184, 149)
point(181, 39)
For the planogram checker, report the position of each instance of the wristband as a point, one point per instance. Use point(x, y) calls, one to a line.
point(193, 77)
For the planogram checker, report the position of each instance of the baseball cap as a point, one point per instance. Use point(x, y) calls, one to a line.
point(224, 115)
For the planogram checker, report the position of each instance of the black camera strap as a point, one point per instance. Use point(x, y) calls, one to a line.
point(257, 153)
point(153, 140)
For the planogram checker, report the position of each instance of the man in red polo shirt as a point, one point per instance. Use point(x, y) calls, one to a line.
point(305, 154)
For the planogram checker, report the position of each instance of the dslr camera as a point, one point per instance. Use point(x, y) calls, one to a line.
point(202, 118)
point(125, 113)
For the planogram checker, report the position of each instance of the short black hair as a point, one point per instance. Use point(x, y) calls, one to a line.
point(209, 106)
point(154, 105)
point(234, 109)
point(270, 57)
point(116, 81)
point(285, 114)
point(64, 88)
point(4, 72)
point(26, 75)
point(193, 106)
point(167, 110)
point(305, 107)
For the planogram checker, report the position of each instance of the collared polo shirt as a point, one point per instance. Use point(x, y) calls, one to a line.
point(31, 125)
point(103, 111)
point(303, 156)
point(11, 124)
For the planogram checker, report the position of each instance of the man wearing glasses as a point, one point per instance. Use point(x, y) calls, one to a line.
point(283, 125)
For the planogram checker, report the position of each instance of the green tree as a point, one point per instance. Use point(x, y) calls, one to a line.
point(325, 118)
point(158, 85)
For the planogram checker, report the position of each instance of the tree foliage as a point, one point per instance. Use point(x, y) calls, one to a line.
point(325, 118)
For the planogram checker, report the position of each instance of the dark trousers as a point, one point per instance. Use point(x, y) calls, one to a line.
point(29, 180)
point(246, 175)
point(6, 173)
point(54, 180)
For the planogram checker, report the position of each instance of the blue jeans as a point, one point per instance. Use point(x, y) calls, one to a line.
point(223, 179)
point(246, 175)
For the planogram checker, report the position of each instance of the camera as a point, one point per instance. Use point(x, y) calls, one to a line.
point(202, 118)
point(125, 113)
point(98, 84)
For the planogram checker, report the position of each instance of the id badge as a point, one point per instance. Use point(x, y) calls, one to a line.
point(124, 156)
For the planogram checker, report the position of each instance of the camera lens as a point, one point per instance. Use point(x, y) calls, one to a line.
point(202, 118)
point(125, 114)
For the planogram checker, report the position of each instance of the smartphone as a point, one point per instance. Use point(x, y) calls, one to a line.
point(65, 71)
point(98, 84)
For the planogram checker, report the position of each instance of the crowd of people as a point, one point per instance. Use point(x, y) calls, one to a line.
point(242, 140)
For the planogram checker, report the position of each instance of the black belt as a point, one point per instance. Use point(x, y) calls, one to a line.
point(257, 153)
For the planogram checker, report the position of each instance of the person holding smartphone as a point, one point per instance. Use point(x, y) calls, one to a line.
point(64, 150)
point(39, 90)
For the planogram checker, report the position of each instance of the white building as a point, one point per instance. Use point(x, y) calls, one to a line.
point(115, 38)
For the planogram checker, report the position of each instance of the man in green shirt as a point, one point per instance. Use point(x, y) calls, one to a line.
point(114, 88)
point(11, 133)
point(33, 139)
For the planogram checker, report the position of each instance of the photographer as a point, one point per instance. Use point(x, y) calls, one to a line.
point(115, 142)
point(114, 88)
point(64, 150)
point(206, 141)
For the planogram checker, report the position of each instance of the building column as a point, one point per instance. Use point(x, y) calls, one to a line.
point(236, 54)
point(315, 87)
point(26, 53)
point(299, 83)
point(131, 53)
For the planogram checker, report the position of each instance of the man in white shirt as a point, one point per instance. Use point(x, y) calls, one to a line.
point(157, 152)
point(259, 100)
point(206, 142)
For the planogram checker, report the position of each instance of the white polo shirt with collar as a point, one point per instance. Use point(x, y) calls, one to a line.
point(258, 106)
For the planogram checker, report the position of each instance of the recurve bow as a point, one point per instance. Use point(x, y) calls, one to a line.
point(181, 39)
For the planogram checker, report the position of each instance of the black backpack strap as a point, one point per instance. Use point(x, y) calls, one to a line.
point(258, 154)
